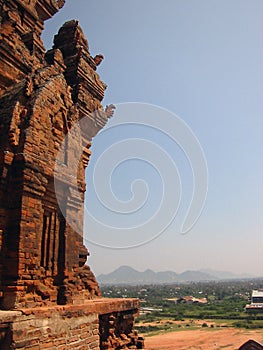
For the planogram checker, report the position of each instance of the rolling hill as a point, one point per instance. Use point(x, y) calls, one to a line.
point(128, 275)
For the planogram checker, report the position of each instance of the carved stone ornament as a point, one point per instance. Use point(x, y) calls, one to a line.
point(18, 116)
point(59, 3)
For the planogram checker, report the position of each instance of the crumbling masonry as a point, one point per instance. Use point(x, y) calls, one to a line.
point(49, 297)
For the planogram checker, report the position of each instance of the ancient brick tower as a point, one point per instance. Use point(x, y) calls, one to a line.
point(43, 275)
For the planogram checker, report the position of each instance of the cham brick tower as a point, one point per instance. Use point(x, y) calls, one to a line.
point(48, 295)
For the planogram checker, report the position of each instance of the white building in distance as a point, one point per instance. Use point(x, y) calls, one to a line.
point(256, 302)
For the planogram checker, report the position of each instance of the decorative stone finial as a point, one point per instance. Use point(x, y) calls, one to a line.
point(109, 110)
point(98, 59)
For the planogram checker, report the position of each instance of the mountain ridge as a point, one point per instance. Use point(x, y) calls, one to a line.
point(128, 275)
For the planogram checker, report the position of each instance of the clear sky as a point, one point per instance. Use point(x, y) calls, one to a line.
point(203, 61)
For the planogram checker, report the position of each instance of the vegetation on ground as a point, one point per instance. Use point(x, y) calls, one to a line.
point(161, 311)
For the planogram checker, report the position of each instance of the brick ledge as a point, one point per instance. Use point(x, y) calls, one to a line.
point(98, 306)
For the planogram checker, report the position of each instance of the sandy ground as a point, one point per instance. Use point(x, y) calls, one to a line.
point(203, 339)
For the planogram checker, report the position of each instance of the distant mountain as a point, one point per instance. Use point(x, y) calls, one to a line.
point(225, 275)
point(128, 275)
point(195, 276)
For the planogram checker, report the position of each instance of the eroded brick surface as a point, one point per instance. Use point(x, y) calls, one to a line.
point(43, 95)
point(43, 271)
point(95, 324)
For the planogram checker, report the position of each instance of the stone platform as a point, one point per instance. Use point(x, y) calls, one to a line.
point(97, 324)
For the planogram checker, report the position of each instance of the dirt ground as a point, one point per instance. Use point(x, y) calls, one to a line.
point(203, 339)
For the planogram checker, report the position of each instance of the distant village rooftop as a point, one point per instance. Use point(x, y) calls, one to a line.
point(257, 294)
point(256, 301)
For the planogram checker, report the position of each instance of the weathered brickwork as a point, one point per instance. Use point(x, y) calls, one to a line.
point(81, 327)
point(52, 329)
point(116, 330)
point(42, 257)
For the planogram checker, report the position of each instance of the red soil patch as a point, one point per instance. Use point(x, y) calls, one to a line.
point(203, 339)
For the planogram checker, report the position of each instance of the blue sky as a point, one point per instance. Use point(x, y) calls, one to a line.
point(203, 61)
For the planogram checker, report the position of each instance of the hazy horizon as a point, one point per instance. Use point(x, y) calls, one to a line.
point(207, 270)
point(202, 61)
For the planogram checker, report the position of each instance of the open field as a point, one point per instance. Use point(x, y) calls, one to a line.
point(169, 322)
point(202, 339)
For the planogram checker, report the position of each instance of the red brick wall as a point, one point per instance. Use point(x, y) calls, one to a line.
point(52, 330)
point(102, 324)
point(42, 96)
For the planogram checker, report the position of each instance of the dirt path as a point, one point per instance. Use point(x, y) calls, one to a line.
point(203, 339)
